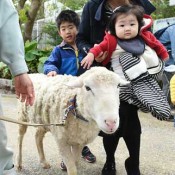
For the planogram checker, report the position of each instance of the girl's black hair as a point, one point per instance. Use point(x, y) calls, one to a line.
point(68, 16)
point(136, 10)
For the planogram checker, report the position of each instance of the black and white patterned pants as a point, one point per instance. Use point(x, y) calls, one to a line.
point(144, 90)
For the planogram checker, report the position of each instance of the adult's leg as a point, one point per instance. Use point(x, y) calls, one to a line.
point(6, 155)
point(110, 143)
point(131, 136)
point(132, 163)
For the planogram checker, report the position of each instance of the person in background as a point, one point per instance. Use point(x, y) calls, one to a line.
point(167, 39)
point(94, 20)
point(12, 54)
point(65, 59)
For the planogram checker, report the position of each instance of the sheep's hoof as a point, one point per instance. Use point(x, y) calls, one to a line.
point(19, 167)
point(46, 165)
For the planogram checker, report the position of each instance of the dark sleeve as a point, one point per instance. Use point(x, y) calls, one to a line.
point(83, 36)
point(146, 4)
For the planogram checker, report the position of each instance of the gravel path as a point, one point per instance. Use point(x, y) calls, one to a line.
point(157, 148)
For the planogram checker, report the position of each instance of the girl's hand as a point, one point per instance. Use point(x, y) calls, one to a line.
point(87, 61)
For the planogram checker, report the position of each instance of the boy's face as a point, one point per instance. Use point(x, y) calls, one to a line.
point(68, 32)
point(126, 26)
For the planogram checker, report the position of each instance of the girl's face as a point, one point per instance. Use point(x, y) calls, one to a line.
point(126, 26)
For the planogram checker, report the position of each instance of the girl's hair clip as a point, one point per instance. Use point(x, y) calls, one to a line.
point(116, 9)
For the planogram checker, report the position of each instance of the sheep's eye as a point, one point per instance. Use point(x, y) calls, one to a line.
point(88, 88)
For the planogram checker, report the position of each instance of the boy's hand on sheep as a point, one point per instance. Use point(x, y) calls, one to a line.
point(87, 61)
point(52, 74)
point(24, 88)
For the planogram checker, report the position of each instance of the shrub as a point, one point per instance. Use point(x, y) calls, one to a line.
point(34, 57)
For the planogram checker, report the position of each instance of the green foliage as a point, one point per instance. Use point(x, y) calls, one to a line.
point(34, 57)
point(74, 4)
point(161, 9)
point(22, 15)
point(4, 71)
point(50, 29)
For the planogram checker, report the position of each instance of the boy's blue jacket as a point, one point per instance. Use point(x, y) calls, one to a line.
point(63, 60)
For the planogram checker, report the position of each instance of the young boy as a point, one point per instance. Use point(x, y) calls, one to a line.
point(65, 58)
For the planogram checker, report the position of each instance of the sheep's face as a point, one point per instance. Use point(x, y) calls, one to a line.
point(98, 97)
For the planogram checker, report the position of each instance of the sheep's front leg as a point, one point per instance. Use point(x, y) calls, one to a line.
point(22, 131)
point(76, 151)
point(39, 142)
point(68, 158)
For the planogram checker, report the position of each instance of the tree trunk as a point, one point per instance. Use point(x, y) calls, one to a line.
point(21, 4)
point(31, 14)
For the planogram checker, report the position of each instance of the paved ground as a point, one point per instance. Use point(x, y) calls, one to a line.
point(157, 148)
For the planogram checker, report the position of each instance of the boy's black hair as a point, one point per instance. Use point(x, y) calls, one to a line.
point(136, 10)
point(68, 16)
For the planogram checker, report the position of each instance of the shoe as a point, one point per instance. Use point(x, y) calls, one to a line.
point(10, 172)
point(109, 169)
point(171, 118)
point(87, 155)
point(63, 166)
point(131, 169)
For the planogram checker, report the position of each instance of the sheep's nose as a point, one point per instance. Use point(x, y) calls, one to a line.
point(110, 124)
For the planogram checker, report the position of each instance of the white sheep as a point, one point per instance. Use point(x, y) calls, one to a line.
point(97, 101)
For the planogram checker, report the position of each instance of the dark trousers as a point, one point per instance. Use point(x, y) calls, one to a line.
point(129, 129)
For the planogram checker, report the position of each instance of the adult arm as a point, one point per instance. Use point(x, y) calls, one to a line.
point(12, 51)
point(11, 41)
point(84, 33)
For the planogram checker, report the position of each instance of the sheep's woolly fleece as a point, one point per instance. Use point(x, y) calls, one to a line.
point(97, 100)
point(53, 94)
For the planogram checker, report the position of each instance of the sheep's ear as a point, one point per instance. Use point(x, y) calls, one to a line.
point(78, 83)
